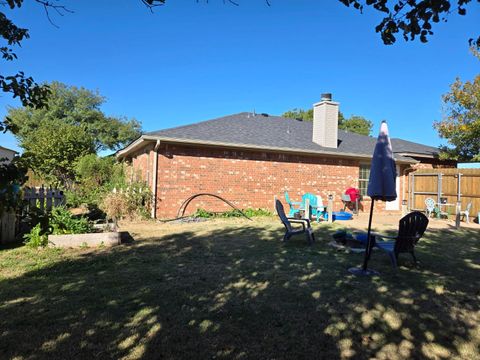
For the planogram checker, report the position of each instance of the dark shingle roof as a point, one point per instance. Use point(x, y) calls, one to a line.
point(247, 129)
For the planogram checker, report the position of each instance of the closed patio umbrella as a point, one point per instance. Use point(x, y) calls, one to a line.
point(381, 186)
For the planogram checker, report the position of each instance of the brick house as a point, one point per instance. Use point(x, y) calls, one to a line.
point(249, 158)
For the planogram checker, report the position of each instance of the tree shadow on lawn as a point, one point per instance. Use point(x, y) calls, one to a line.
point(238, 292)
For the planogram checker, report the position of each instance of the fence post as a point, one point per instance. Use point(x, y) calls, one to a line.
point(439, 188)
point(457, 217)
point(48, 200)
point(307, 209)
point(41, 197)
point(330, 208)
point(459, 187)
point(412, 204)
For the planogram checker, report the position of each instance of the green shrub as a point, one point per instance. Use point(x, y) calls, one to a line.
point(62, 221)
point(202, 213)
point(73, 198)
point(36, 238)
point(95, 178)
point(12, 175)
point(59, 221)
point(93, 171)
point(257, 212)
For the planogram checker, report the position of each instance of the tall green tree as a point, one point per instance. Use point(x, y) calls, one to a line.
point(306, 115)
point(356, 124)
point(53, 148)
point(70, 126)
point(19, 85)
point(460, 125)
point(78, 107)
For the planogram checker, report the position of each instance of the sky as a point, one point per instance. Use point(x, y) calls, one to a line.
point(190, 61)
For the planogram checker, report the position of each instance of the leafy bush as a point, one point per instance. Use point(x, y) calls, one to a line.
point(12, 175)
point(74, 198)
point(202, 213)
point(59, 221)
point(62, 221)
point(93, 171)
point(95, 177)
point(36, 237)
point(80, 196)
point(257, 212)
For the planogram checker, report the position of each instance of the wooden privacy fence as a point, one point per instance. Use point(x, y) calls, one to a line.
point(451, 185)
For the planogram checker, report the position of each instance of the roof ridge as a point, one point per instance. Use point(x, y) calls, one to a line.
point(416, 143)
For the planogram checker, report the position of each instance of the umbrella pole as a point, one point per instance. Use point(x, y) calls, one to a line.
point(369, 238)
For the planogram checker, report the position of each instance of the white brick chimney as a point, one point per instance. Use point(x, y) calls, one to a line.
point(325, 122)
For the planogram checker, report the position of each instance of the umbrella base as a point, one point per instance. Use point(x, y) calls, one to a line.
point(358, 271)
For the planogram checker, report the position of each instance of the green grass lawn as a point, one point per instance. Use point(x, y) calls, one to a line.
point(230, 289)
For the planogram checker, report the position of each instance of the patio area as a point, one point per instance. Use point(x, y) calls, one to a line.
point(383, 221)
point(228, 288)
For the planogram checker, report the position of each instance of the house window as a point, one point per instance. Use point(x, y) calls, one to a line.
point(364, 174)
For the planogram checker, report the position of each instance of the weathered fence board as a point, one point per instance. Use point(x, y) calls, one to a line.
point(7, 228)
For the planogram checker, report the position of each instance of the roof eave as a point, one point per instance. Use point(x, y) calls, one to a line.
point(134, 145)
point(422, 155)
point(137, 144)
point(7, 149)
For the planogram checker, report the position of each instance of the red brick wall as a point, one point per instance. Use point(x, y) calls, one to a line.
point(141, 165)
point(249, 179)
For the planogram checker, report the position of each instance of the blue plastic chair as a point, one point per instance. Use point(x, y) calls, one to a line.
point(316, 207)
point(295, 206)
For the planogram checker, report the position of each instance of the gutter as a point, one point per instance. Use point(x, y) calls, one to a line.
point(424, 155)
point(136, 144)
point(139, 143)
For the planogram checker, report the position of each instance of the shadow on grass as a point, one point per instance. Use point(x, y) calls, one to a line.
point(238, 292)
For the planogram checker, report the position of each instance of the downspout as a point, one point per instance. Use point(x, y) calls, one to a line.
point(154, 180)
